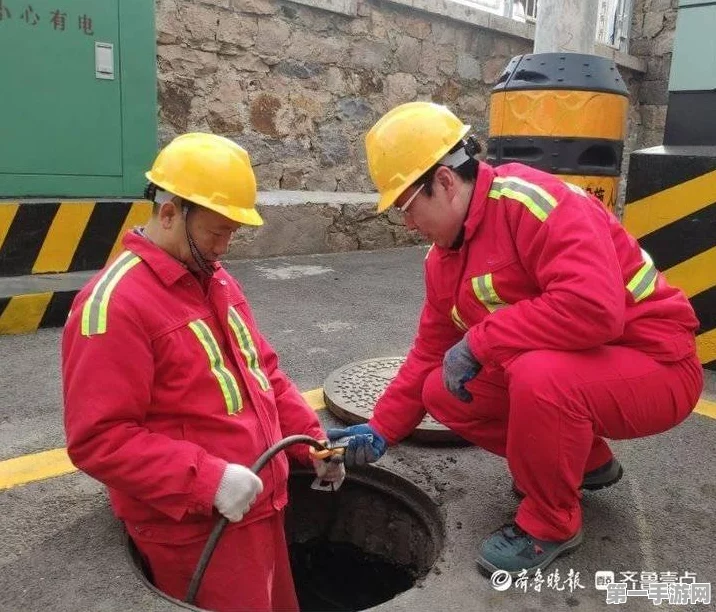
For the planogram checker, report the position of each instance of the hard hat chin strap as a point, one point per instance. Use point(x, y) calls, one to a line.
point(203, 264)
point(159, 196)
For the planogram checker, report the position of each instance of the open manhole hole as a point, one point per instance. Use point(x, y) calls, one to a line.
point(352, 390)
point(355, 548)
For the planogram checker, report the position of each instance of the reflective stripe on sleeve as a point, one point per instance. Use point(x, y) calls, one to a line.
point(537, 200)
point(226, 380)
point(643, 283)
point(486, 294)
point(94, 312)
point(457, 319)
point(248, 348)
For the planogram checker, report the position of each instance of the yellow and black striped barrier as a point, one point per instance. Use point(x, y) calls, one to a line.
point(67, 241)
point(64, 236)
point(20, 314)
point(671, 210)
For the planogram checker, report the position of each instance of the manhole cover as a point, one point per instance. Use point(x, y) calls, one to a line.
point(352, 390)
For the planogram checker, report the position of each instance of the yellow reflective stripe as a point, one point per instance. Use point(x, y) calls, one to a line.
point(226, 380)
point(94, 312)
point(455, 316)
point(643, 283)
point(485, 292)
point(248, 348)
point(537, 200)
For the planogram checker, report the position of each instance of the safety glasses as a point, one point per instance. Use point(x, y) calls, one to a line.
point(404, 208)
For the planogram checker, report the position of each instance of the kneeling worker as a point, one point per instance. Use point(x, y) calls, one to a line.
point(545, 328)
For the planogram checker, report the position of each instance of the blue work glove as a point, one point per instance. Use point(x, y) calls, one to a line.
point(366, 445)
point(460, 366)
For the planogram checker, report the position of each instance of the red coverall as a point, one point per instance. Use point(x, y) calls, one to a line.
point(165, 381)
point(578, 335)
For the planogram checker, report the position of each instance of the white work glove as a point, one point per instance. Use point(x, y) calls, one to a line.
point(330, 471)
point(238, 489)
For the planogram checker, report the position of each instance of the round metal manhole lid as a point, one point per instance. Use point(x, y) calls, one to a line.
point(352, 390)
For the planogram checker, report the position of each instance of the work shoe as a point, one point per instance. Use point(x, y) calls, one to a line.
point(600, 478)
point(512, 550)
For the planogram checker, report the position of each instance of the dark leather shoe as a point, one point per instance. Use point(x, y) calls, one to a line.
point(600, 478)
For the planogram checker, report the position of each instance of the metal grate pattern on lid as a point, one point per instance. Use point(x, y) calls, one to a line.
point(352, 390)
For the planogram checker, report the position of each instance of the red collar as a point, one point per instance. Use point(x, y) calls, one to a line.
point(485, 175)
point(168, 269)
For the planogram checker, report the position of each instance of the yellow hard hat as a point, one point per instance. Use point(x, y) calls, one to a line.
point(210, 171)
point(406, 142)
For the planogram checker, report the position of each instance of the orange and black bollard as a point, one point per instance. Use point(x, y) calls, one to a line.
point(564, 113)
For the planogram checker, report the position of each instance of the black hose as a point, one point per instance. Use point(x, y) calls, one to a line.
point(223, 521)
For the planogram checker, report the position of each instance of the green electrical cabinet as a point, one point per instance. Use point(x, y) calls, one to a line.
point(77, 97)
point(693, 64)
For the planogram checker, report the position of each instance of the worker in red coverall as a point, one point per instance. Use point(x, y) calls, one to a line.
point(545, 329)
point(171, 391)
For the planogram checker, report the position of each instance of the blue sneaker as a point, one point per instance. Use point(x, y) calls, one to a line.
point(511, 549)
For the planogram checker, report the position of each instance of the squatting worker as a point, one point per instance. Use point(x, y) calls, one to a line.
point(545, 328)
point(171, 391)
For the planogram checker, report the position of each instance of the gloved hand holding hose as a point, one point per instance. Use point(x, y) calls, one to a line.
point(240, 493)
point(240, 486)
point(366, 445)
point(238, 490)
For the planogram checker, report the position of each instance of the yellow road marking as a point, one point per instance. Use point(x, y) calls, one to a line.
point(52, 463)
point(49, 464)
point(706, 346)
point(707, 408)
point(37, 466)
point(659, 209)
point(314, 398)
point(63, 237)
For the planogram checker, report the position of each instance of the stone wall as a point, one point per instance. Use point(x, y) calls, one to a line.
point(652, 39)
point(299, 87)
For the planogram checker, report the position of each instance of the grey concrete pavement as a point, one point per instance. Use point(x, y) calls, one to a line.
point(61, 549)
